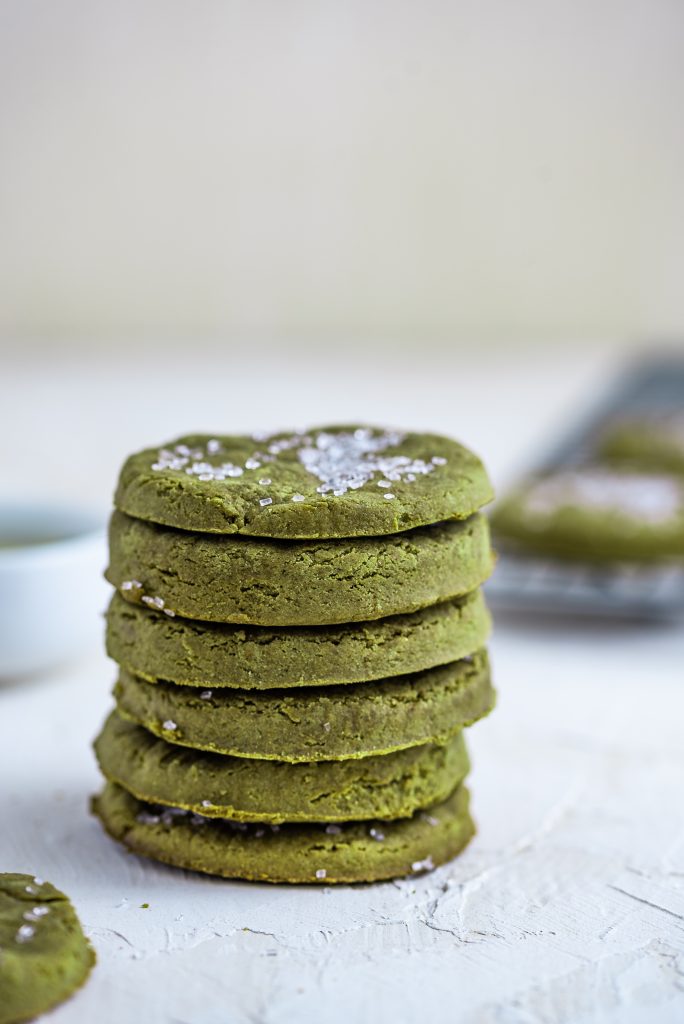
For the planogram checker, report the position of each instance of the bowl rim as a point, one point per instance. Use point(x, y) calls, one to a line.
point(89, 527)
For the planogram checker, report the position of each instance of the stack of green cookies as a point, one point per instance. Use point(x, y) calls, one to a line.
point(301, 641)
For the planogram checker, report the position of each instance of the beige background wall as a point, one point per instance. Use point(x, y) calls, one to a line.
point(473, 169)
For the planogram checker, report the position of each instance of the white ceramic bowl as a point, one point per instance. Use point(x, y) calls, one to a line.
point(51, 588)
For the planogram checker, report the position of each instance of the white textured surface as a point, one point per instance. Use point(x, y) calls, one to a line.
point(569, 905)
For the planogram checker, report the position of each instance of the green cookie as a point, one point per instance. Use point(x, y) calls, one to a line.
point(318, 723)
point(155, 646)
point(330, 482)
point(44, 955)
point(654, 443)
point(247, 789)
point(595, 513)
point(355, 852)
point(295, 583)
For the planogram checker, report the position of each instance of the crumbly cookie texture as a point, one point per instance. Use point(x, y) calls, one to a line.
point(318, 723)
point(44, 955)
point(320, 854)
point(249, 789)
point(306, 582)
point(199, 654)
point(338, 481)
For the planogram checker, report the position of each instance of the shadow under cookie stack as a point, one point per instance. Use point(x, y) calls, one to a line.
point(300, 638)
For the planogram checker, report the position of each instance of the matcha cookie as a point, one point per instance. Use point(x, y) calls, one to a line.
point(330, 482)
point(292, 583)
point(246, 789)
point(318, 723)
point(654, 442)
point(596, 513)
point(44, 955)
point(354, 852)
point(154, 646)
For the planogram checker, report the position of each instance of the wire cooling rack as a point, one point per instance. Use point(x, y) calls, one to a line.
point(528, 584)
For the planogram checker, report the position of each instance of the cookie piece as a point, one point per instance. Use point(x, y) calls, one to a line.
point(354, 852)
point(341, 481)
point(652, 442)
point(596, 513)
point(317, 723)
point(44, 955)
point(153, 646)
point(246, 789)
point(292, 583)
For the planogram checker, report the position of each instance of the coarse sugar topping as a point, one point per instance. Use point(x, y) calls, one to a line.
point(650, 497)
point(340, 461)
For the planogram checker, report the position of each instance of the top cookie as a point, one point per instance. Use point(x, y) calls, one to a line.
point(341, 481)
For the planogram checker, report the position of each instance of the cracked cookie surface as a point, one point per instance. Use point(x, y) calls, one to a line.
point(338, 481)
point(152, 645)
point(247, 789)
point(281, 583)
point(317, 723)
point(353, 852)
